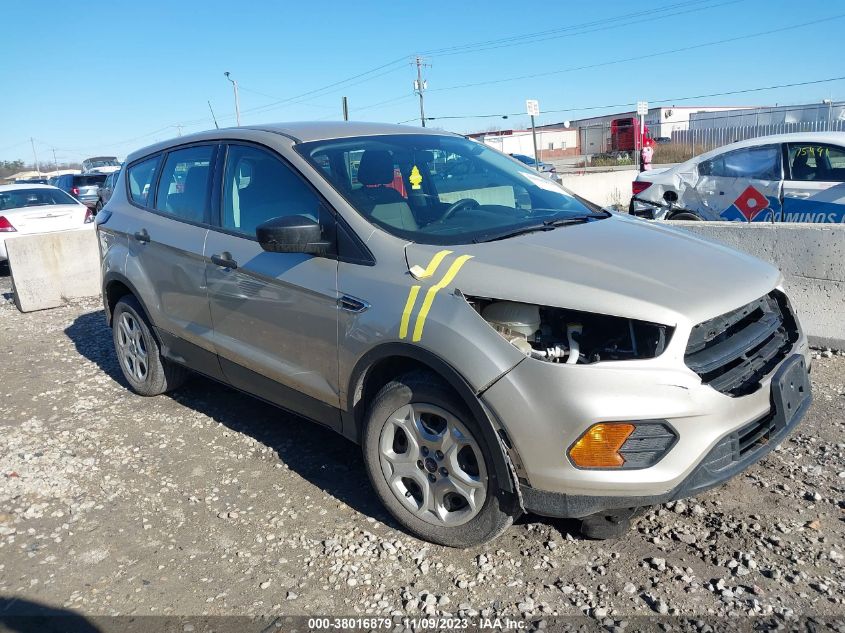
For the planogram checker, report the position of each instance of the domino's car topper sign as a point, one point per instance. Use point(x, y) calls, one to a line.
point(752, 206)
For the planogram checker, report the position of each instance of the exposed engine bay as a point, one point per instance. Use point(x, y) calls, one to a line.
point(559, 335)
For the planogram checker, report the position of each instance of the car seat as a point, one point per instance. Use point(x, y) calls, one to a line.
point(375, 198)
point(801, 169)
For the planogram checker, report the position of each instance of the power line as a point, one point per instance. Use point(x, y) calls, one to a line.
point(641, 57)
point(633, 103)
point(605, 24)
point(350, 81)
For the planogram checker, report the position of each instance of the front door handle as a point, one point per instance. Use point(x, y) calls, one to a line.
point(142, 236)
point(797, 194)
point(224, 260)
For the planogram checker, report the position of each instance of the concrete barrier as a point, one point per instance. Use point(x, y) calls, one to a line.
point(606, 188)
point(50, 268)
point(812, 259)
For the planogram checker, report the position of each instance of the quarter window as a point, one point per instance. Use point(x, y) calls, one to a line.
point(756, 163)
point(141, 176)
point(815, 162)
point(258, 187)
point(183, 188)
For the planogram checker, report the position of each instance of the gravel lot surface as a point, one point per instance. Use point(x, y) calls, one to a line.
point(211, 502)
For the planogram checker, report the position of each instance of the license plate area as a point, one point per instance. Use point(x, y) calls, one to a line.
point(790, 390)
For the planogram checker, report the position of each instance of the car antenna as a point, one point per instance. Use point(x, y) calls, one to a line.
point(212, 115)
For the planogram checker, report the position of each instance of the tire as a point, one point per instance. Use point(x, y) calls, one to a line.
point(98, 207)
point(138, 352)
point(685, 215)
point(405, 427)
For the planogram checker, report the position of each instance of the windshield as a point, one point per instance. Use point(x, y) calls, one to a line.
point(437, 189)
point(19, 198)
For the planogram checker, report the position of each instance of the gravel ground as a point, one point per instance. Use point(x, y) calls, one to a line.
point(210, 502)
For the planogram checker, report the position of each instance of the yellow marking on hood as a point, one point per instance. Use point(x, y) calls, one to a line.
point(429, 296)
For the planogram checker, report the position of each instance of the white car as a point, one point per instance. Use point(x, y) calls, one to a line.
point(781, 178)
point(27, 209)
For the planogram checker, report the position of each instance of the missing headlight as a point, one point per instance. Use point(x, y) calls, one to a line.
point(560, 335)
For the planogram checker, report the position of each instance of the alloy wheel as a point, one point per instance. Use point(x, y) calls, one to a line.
point(433, 464)
point(131, 347)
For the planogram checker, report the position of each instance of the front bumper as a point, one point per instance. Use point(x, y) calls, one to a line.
point(733, 454)
point(544, 408)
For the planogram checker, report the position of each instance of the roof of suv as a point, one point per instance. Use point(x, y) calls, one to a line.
point(301, 131)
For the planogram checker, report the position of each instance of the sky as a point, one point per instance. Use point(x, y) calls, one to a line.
point(111, 77)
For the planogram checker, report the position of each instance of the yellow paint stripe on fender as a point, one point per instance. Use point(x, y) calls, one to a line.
point(406, 313)
point(429, 296)
point(433, 264)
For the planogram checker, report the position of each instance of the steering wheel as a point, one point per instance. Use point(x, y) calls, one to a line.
point(460, 205)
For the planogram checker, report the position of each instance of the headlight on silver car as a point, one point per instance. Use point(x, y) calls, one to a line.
point(559, 335)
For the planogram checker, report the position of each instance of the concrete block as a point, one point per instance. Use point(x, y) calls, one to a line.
point(605, 188)
point(812, 259)
point(820, 305)
point(50, 268)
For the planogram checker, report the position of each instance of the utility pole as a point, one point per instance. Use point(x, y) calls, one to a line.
point(237, 99)
point(55, 162)
point(179, 127)
point(345, 109)
point(420, 86)
point(37, 168)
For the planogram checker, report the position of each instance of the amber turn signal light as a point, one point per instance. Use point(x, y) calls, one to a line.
point(599, 446)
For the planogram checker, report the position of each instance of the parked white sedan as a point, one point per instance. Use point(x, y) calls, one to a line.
point(781, 178)
point(27, 208)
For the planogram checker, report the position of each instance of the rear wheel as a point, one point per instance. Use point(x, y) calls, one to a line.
point(430, 465)
point(138, 353)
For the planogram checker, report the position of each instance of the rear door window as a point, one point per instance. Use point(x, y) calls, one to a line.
point(141, 176)
point(183, 189)
point(754, 163)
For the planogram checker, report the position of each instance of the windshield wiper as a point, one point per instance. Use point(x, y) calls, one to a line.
point(548, 225)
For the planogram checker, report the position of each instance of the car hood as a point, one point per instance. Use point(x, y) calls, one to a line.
point(619, 266)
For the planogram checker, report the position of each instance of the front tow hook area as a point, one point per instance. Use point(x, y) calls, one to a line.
point(610, 524)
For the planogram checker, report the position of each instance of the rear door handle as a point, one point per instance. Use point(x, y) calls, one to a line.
point(142, 236)
point(224, 260)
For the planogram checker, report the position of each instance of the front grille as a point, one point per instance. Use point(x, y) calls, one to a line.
point(732, 352)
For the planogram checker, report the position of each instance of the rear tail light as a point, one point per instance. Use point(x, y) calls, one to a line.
point(75, 191)
point(5, 225)
point(638, 186)
point(89, 216)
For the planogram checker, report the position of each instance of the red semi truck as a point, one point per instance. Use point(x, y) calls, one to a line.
point(619, 138)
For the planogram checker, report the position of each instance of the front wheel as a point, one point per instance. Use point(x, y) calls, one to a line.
point(430, 464)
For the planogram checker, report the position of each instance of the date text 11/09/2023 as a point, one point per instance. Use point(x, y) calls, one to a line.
point(417, 624)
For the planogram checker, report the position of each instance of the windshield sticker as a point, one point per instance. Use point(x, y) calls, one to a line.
point(415, 178)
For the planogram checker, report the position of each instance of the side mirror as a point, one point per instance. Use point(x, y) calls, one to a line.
point(292, 234)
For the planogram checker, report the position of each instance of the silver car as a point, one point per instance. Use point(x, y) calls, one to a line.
point(494, 344)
